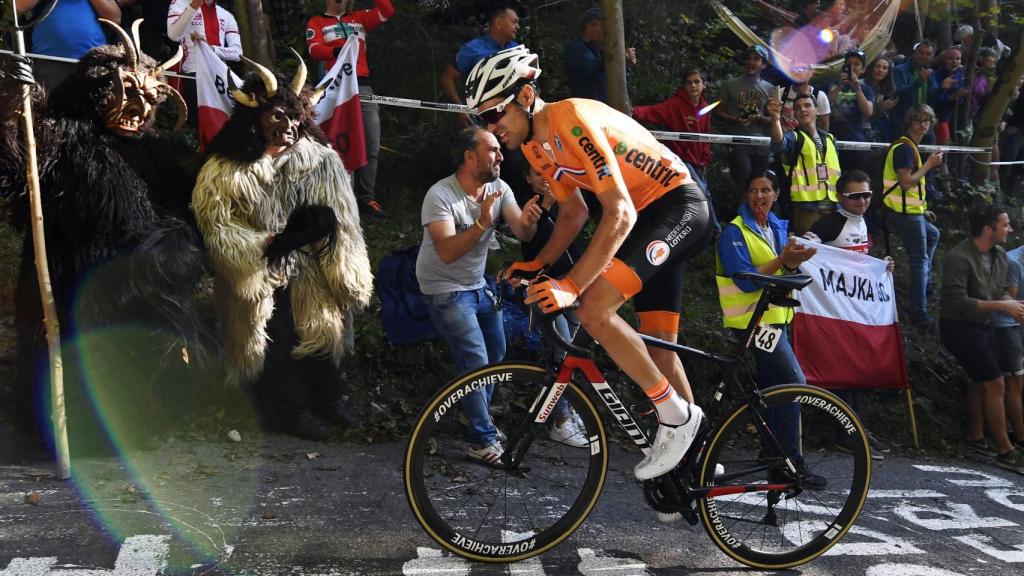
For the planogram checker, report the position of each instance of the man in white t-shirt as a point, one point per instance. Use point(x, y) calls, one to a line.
point(802, 85)
point(459, 215)
point(189, 21)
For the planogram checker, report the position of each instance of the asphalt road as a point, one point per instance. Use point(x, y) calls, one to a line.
point(274, 505)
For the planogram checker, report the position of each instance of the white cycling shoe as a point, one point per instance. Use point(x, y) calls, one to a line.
point(670, 445)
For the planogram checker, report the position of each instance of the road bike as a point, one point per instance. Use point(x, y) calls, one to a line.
point(735, 479)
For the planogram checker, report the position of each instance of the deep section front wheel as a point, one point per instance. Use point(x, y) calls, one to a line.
point(543, 488)
point(762, 513)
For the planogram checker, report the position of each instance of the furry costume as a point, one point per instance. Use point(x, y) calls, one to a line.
point(120, 246)
point(242, 198)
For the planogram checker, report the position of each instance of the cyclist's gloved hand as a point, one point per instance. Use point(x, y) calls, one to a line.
point(551, 294)
point(518, 271)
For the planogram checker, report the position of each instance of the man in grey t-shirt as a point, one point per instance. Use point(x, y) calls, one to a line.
point(742, 112)
point(458, 217)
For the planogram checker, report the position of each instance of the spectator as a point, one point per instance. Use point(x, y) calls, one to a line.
point(565, 427)
point(458, 216)
point(903, 178)
point(880, 80)
point(502, 27)
point(984, 78)
point(810, 161)
point(1011, 143)
point(847, 229)
point(802, 85)
point(755, 241)
point(853, 103)
point(973, 288)
point(1011, 347)
point(190, 21)
point(808, 12)
point(913, 79)
point(742, 109)
point(948, 93)
point(682, 113)
point(326, 35)
point(71, 30)
point(583, 58)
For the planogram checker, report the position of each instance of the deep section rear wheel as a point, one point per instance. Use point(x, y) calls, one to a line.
point(794, 522)
point(536, 497)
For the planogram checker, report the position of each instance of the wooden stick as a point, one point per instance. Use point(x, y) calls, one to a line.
point(58, 415)
point(913, 420)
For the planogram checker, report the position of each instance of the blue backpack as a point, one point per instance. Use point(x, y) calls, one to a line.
point(403, 308)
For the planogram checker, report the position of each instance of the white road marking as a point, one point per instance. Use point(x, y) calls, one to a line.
point(879, 545)
point(431, 561)
point(954, 516)
point(907, 570)
point(599, 564)
point(139, 556)
point(905, 494)
point(1005, 497)
point(981, 542)
point(981, 479)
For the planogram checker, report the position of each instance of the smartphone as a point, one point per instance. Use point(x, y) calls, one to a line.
point(778, 93)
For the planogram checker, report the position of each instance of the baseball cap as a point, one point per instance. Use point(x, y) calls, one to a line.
point(589, 15)
point(759, 50)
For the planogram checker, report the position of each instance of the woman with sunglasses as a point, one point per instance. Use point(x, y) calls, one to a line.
point(654, 218)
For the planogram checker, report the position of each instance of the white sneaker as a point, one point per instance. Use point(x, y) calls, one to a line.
point(670, 445)
point(569, 433)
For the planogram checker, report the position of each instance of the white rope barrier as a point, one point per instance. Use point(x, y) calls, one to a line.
point(730, 139)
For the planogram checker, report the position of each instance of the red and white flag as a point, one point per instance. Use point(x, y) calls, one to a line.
point(338, 112)
point(845, 332)
point(213, 97)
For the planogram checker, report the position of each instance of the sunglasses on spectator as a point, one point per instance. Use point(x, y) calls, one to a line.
point(494, 114)
point(858, 195)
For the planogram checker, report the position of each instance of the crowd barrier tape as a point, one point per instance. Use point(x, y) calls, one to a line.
point(731, 139)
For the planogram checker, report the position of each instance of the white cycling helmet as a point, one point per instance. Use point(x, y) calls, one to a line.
point(499, 73)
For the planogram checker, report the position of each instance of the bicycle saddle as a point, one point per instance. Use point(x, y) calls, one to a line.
point(786, 282)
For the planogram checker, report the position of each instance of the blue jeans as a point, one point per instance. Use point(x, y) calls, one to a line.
point(471, 323)
point(780, 366)
point(920, 238)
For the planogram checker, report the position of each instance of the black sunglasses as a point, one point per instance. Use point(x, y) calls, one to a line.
point(494, 114)
point(858, 196)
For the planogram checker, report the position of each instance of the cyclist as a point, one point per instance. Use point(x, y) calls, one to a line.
point(654, 218)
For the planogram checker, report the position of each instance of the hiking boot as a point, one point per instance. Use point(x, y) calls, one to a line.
point(570, 434)
point(981, 449)
point(338, 412)
point(489, 454)
point(373, 208)
point(670, 445)
point(305, 424)
point(1012, 461)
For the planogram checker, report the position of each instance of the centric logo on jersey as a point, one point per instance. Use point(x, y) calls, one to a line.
point(657, 252)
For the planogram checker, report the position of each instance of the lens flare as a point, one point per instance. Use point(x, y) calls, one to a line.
point(708, 108)
point(826, 36)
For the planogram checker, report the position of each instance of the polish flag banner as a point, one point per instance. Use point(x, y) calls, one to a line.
point(338, 112)
point(213, 97)
point(845, 331)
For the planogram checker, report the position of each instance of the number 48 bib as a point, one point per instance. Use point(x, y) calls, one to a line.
point(767, 338)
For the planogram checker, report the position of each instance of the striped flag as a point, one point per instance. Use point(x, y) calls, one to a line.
point(845, 332)
point(213, 97)
point(338, 112)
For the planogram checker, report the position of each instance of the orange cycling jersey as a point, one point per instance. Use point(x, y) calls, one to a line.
point(595, 147)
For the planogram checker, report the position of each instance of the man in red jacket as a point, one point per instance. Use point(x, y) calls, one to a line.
point(680, 113)
point(326, 35)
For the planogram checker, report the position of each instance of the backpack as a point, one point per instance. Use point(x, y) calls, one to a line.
point(403, 308)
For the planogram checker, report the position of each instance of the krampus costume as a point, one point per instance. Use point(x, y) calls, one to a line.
point(280, 221)
point(121, 250)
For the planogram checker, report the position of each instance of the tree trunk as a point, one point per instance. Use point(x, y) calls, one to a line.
point(615, 55)
point(991, 112)
point(255, 43)
point(940, 14)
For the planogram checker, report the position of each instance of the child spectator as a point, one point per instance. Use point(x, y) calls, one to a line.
point(682, 113)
